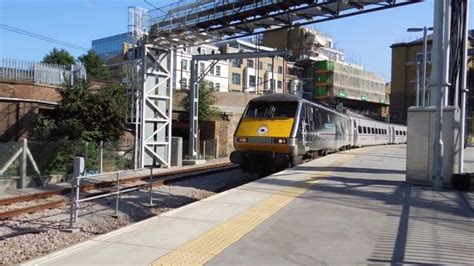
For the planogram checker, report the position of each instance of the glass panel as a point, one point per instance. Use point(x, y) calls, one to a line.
point(271, 109)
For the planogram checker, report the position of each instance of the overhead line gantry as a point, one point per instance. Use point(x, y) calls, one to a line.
point(190, 23)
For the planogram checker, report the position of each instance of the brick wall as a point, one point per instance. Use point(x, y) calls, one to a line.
point(18, 118)
point(29, 91)
point(222, 129)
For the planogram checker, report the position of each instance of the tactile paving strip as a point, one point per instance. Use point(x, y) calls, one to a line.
point(203, 248)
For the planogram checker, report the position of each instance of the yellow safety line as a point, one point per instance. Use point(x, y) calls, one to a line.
point(203, 248)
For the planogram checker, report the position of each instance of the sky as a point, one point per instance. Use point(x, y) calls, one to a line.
point(365, 38)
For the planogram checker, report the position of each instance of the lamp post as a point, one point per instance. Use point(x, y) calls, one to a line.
point(417, 80)
point(425, 45)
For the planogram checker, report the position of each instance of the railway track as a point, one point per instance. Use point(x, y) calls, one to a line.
point(89, 189)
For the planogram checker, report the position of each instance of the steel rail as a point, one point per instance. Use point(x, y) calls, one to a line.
point(169, 178)
point(90, 186)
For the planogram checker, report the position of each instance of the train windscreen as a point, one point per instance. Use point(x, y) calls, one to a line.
point(271, 110)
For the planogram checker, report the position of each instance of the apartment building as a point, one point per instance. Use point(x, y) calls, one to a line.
point(217, 75)
point(256, 75)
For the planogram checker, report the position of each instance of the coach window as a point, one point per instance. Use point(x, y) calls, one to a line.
point(372, 130)
point(310, 117)
point(318, 119)
point(365, 130)
point(360, 129)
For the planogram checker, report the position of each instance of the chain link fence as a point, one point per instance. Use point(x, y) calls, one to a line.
point(56, 158)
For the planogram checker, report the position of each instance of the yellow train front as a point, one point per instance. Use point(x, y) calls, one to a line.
point(266, 137)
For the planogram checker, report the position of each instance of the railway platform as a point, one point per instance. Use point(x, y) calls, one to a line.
point(352, 207)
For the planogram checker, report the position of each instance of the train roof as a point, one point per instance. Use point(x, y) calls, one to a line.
point(277, 97)
point(281, 97)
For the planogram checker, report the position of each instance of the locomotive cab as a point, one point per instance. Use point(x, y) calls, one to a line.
point(265, 135)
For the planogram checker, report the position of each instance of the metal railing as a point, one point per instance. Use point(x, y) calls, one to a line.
point(40, 73)
point(76, 200)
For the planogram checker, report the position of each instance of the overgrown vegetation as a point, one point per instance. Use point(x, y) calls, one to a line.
point(94, 66)
point(60, 57)
point(83, 116)
point(206, 99)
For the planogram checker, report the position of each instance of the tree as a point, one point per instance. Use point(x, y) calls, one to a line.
point(85, 115)
point(60, 57)
point(94, 65)
point(206, 99)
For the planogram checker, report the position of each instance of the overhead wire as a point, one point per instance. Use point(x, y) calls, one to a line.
point(41, 37)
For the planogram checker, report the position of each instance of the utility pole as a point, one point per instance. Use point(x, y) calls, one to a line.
point(425, 47)
point(439, 84)
point(424, 62)
point(463, 86)
point(417, 80)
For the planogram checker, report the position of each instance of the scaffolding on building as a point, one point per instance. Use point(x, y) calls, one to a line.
point(344, 80)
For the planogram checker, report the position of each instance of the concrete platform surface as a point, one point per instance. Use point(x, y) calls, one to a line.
point(347, 208)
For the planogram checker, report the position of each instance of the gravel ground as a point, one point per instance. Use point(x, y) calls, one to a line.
point(97, 217)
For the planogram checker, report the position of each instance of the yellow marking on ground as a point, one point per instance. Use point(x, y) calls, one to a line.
point(203, 248)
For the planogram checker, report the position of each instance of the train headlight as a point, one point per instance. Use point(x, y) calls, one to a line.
point(243, 140)
point(280, 141)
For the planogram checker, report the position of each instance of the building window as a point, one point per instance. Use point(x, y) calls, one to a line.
point(269, 67)
point(236, 78)
point(235, 62)
point(184, 83)
point(419, 57)
point(250, 63)
point(184, 64)
point(203, 51)
point(201, 67)
point(260, 80)
point(211, 86)
point(260, 65)
point(279, 84)
point(280, 70)
point(211, 70)
point(272, 84)
point(218, 70)
point(217, 87)
point(252, 81)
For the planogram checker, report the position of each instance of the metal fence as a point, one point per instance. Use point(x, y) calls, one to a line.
point(56, 158)
point(40, 73)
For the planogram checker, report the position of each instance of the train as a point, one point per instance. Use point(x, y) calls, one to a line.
point(278, 131)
